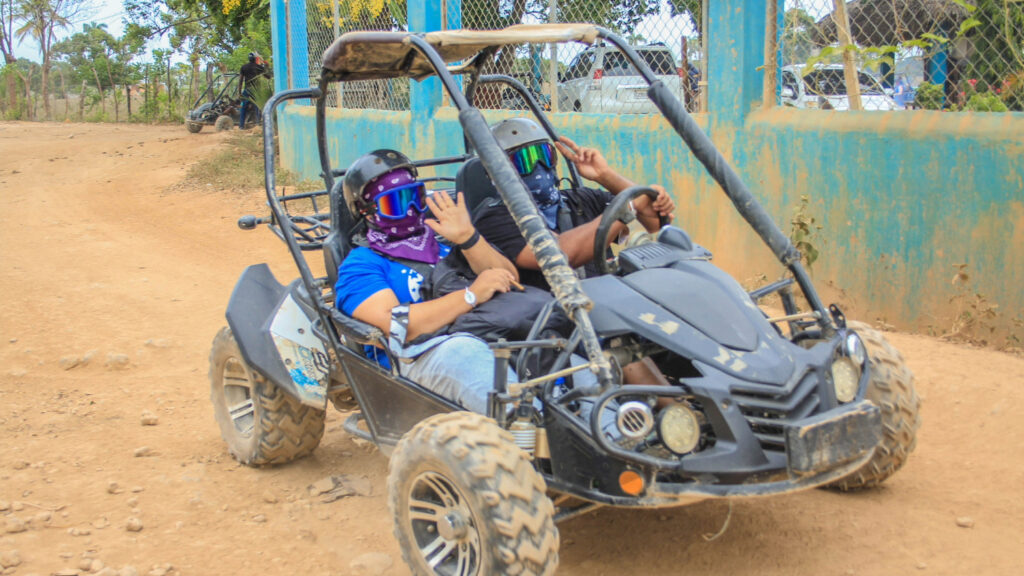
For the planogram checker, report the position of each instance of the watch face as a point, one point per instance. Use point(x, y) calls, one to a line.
point(470, 298)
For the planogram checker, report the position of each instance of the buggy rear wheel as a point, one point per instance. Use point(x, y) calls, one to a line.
point(467, 502)
point(194, 127)
point(224, 123)
point(260, 423)
point(891, 388)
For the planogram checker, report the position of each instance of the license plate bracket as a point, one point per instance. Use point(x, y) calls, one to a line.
point(832, 438)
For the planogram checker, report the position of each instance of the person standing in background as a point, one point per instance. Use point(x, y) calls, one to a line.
point(900, 92)
point(250, 71)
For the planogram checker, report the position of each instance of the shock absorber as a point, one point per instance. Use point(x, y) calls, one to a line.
point(524, 431)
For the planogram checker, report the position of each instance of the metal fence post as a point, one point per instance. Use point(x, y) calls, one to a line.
point(849, 58)
point(337, 32)
point(771, 62)
point(553, 72)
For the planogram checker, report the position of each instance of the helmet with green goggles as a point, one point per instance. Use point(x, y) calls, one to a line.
point(527, 158)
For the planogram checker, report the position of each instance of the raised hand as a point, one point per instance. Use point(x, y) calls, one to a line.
point(589, 161)
point(451, 219)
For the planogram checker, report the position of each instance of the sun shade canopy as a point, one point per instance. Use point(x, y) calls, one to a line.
point(370, 55)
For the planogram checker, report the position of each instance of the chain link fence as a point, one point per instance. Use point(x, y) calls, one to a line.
point(933, 54)
point(328, 19)
point(574, 77)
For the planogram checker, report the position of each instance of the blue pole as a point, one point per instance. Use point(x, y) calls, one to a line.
point(735, 38)
point(425, 96)
point(298, 60)
point(279, 44)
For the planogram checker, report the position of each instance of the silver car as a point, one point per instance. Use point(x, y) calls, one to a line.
point(600, 79)
point(825, 87)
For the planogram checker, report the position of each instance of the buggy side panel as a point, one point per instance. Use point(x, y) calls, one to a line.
point(392, 405)
point(273, 328)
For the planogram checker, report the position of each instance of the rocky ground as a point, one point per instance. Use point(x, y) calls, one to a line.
point(114, 282)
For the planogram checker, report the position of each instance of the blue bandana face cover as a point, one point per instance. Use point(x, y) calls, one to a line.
point(542, 183)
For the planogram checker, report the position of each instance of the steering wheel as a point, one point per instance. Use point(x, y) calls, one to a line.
point(618, 211)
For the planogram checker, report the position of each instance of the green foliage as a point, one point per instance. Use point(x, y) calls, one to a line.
point(930, 96)
point(1013, 91)
point(987, 101)
point(798, 35)
point(803, 232)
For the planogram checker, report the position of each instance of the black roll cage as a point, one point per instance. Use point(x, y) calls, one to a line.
point(479, 141)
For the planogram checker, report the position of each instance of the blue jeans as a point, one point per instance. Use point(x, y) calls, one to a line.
point(241, 114)
point(461, 368)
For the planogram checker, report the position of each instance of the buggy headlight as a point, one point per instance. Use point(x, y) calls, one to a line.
point(853, 347)
point(679, 429)
point(845, 379)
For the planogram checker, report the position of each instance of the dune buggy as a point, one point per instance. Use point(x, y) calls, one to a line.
point(757, 404)
point(221, 111)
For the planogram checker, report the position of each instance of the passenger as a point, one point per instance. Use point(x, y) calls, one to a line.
point(380, 284)
point(572, 215)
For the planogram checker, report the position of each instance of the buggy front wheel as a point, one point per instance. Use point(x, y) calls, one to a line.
point(193, 127)
point(467, 502)
point(224, 123)
point(891, 388)
point(260, 423)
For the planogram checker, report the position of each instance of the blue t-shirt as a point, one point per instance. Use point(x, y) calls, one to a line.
point(365, 272)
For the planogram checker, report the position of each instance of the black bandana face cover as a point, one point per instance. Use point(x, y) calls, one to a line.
point(543, 185)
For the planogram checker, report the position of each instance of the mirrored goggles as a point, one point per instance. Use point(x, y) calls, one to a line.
point(394, 204)
point(526, 158)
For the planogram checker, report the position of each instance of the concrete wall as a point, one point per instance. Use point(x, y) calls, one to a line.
point(903, 196)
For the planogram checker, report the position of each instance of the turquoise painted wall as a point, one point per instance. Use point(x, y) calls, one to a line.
point(902, 197)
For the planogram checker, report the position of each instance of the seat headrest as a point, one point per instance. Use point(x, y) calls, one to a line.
point(474, 183)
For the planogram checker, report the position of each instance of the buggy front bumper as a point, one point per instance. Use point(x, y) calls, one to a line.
point(818, 450)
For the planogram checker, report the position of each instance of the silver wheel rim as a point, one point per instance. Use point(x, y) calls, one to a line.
point(443, 527)
point(238, 396)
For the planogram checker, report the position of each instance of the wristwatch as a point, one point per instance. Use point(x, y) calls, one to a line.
point(470, 298)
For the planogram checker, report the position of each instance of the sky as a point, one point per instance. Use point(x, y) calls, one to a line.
point(107, 12)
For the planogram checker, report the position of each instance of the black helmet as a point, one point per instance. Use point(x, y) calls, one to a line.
point(252, 56)
point(366, 168)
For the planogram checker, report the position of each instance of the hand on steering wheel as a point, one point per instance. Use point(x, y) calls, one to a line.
point(619, 211)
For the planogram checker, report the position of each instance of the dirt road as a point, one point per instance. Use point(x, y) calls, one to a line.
point(114, 284)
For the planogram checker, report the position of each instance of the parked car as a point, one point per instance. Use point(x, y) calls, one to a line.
point(825, 87)
point(601, 79)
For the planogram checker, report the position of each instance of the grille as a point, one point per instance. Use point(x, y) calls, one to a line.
point(769, 408)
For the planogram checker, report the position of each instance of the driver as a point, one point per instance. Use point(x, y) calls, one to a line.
point(380, 283)
point(573, 215)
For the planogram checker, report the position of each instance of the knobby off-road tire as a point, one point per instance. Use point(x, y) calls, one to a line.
point(194, 127)
point(891, 388)
point(260, 422)
point(224, 123)
point(466, 501)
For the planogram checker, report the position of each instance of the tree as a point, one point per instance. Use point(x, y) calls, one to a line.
point(798, 36)
point(41, 20)
point(11, 72)
point(95, 54)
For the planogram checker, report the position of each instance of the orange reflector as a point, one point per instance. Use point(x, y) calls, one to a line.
point(631, 483)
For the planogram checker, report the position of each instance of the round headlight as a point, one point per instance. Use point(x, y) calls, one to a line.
point(845, 379)
point(679, 429)
point(853, 347)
